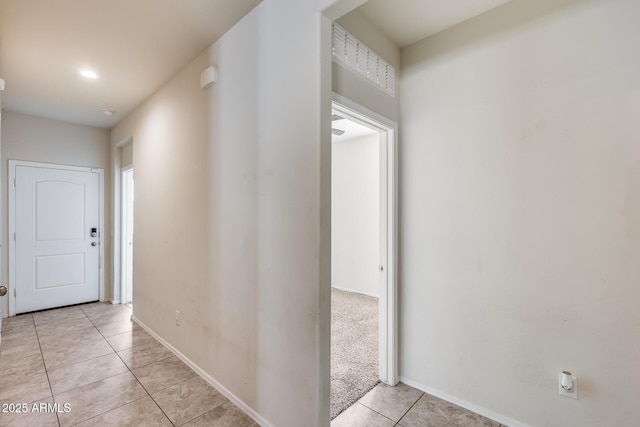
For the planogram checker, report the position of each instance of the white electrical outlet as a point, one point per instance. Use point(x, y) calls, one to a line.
point(568, 385)
point(178, 314)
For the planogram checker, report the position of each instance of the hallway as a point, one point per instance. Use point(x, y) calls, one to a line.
point(100, 368)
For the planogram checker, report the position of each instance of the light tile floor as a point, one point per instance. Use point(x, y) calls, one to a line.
point(106, 368)
point(404, 406)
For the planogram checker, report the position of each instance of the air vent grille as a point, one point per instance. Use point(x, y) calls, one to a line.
point(355, 55)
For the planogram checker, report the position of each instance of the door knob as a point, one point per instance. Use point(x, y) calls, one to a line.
point(94, 244)
point(3, 290)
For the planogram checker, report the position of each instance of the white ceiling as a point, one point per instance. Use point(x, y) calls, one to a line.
point(409, 21)
point(351, 130)
point(137, 45)
point(134, 45)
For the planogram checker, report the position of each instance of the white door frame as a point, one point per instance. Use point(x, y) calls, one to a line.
point(124, 225)
point(388, 317)
point(116, 214)
point(12, 222)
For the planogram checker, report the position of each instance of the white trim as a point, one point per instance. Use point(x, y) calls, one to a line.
point(10, 231)
point(481, 410)
point(388, 297)
point(12, 222)
point(208, 378)
point(116, 232)
point(123, 232)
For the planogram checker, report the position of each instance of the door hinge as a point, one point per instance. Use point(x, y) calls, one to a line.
point(14, 293)
point(14, 236)
point(14, 181)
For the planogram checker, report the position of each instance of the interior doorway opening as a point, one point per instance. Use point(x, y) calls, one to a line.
point(127, 194)
point(363, 341)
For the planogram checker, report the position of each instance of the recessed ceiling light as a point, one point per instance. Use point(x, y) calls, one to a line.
point(88, 74)
point(108, 112)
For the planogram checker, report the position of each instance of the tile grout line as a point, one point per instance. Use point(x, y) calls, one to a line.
point(151, 396)
point(414, 404)
point(111, 376)
point(134, 375)
point(128, 368)
point(42, 358)
point(358, 401)
point(145, 389)
point(399, 419)
point(96, 326)
point(373, 410)
point(116, 353)
point(154, 400)
point(45, 367)
point(75, 363)
point(102, 413)
point(37, 333)
point(85, 341)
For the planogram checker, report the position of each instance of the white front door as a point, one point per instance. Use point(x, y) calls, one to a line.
point(56, 237)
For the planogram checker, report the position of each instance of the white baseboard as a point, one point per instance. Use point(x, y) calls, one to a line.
point(355, 292)
point(502, 419)
point(208, 378)
point(114, 301)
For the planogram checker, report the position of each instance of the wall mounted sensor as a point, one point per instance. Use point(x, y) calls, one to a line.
point(208, 77)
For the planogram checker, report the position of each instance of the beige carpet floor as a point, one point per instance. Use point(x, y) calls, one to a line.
point(354, 348)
